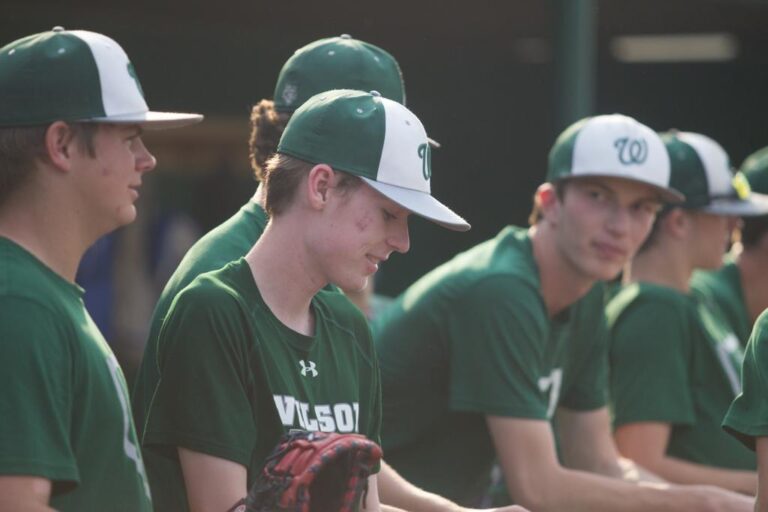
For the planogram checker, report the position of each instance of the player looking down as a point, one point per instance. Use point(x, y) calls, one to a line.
point(256, 349)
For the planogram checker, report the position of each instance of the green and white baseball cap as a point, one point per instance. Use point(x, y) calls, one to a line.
point(701, 170)
point(755, 169)
point(612, 146)
point(337, 63)
point(374, 138)
point(74, 75)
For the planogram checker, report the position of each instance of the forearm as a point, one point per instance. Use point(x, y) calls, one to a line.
point(395, 491)
point(683, 472)
point(578, 491)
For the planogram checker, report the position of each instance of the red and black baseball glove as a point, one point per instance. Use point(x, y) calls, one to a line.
point(315, 472)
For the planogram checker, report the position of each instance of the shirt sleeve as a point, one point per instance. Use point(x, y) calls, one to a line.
point(747, 417)
point(201, 401)
point(496, 339)
point(35, 402)
point(649, 360)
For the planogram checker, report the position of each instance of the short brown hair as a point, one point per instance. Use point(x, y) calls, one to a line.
point(267, 125)
point(536, 215)
point(283, 174)
point(21, 147)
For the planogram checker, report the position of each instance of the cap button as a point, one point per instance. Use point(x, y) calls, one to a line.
point(376, 93)
point(346, 36)
point(58, 28)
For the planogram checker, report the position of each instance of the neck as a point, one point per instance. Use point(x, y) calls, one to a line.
point(561, 283)
point(282, 269)
point(51, 230)
point(258, 196)
point(664, 263)
point(753, 274)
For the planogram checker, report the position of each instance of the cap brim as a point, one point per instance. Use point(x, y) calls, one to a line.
point(667, 195)
point(421, 204)
point(755, 205)
point(153, 120)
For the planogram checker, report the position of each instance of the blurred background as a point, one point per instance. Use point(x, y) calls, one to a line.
point(494, 81)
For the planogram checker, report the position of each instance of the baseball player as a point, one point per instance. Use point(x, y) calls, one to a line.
point(740, 286)
point(71, 164)
point(332, 63)
point(674, 360)
point(479, 355)
point(747, 417)
point(253, 350)
point(325, 64)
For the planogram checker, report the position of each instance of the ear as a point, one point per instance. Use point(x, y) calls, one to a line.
point(59, 145)
point(547, 201)
point(319, 183)
point(678, 223)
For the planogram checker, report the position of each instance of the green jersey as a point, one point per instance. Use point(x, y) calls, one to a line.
point(64, 409)
point(748, 416)
point(473, 338)
point(723, 287)
point(675, 360)
point(233, 378)
point(227, 242)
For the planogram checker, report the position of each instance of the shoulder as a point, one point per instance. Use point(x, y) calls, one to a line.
point(219, 292)
point(227, 242)
point(648, 299)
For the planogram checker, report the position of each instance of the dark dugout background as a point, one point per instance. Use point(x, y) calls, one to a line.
point(479, 74)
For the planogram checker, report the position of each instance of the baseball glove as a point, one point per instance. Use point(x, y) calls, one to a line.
point(314, 472)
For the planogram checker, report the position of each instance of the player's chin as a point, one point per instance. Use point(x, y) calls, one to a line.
point(126, 214)
point(352, 284)
point(605, 271)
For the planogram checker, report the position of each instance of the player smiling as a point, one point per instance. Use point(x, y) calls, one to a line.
point(255, 349)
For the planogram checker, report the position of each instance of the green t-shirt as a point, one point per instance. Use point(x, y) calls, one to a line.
point(233, 378)
point(674, 359)
point(748, 416)
point(227, 242)
point(472, 338)
point(723, 287)
point(64, 409)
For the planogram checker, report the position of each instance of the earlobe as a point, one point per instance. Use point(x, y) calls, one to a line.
point(58, 144)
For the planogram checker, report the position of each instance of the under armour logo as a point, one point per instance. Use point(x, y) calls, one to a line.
point(308, 368)
point(426, 161)
point(631, 151)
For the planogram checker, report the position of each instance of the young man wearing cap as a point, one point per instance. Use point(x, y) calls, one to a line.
point(479, 355)
point(326, 64)
point(674, 360)
point(331, 63)
point(71, 163)
point(255, 349)
point(740, 286)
